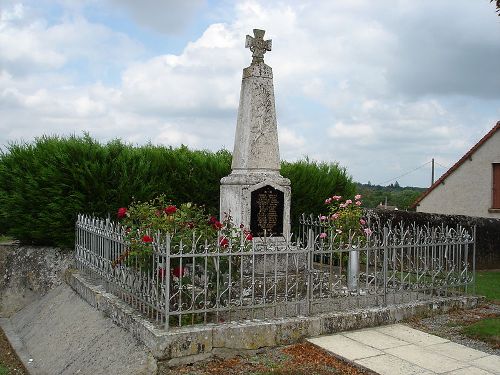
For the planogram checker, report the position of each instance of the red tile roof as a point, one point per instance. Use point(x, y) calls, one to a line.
point(458, 163)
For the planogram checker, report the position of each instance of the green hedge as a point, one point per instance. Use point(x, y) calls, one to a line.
point(44, 184)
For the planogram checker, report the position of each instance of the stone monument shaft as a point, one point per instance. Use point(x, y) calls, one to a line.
point(256, 142)
point(255, 194)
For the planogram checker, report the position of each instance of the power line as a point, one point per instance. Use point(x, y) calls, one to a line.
point(405, 174)
point(441, 165)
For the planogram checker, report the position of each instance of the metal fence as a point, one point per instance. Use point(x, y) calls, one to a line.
point(183, 283)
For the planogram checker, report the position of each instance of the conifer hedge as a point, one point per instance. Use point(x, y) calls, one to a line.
point(45, 184)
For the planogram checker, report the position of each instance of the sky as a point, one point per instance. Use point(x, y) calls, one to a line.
point(380, 87)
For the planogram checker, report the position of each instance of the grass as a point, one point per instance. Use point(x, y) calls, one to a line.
point(4, 239)
point(488, 284)
point(485, 329)
point(3, 370)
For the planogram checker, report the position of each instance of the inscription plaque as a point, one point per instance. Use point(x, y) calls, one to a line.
point(266, 211)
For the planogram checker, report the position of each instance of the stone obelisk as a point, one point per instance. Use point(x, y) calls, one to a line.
point(255, 194)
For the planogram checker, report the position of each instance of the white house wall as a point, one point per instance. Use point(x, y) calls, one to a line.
point(468, 190)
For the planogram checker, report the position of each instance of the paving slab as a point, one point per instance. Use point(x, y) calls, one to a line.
point(423, 357)
point(376, 339)
point(457, 351)
point(410, 335)
point(489, 363)
point(470, 371)
point(345, 347)
point(401, 350)
point(387, 364)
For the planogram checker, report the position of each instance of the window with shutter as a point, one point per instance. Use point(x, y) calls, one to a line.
point(496, 186)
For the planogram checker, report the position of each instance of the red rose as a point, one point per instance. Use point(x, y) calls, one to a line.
point(178, 271)
point(223, 242)
point(147, 239)
point(190, 225)
point(249, 237)
point(170, 210)
point(217, 225)
point(122, 212)
point(212, 220)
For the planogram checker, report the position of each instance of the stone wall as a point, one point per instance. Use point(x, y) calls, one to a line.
point(487, 231)
point(27, 273)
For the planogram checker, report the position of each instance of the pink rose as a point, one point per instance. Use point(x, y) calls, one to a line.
point(328, 201)
point(322, 235)
point(358, 203)
point(335, 216)
point(362, 222)
point(337, 197)
point(357, 197)
point(368, 231)
point(348, 202)
point(322, 218)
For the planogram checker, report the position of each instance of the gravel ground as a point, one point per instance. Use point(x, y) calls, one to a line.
point(450, 326)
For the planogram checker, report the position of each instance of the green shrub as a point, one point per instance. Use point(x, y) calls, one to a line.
point(44, 184)
point(312, 183)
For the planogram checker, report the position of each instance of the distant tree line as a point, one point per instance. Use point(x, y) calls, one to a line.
point(400, 197)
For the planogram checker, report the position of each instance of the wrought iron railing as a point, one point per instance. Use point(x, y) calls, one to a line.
point(189, 283)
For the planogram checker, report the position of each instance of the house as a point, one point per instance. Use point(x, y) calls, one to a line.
point(470, 187)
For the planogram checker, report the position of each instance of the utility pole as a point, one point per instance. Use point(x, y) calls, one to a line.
point(432, 178)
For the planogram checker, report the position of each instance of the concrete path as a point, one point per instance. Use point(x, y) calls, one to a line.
point(400, 350)
point(62, 334)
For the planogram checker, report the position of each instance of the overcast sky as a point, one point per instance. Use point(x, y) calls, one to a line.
point(379, 86)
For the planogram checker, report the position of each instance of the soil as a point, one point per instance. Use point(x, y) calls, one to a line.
point(9, 358)
point(297, 359)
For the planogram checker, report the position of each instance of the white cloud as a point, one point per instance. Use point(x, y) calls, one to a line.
point(358, 82)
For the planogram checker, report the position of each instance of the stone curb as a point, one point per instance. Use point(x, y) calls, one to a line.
point(186, 345)
point(18, 346)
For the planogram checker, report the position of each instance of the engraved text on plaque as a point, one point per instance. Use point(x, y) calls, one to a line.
point(266, 211)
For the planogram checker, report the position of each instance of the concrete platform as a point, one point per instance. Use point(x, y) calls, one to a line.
point(400, 350)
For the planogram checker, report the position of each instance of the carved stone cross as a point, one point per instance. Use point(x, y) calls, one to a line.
point(258, 45)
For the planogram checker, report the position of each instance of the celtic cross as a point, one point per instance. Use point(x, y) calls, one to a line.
point(258, 45)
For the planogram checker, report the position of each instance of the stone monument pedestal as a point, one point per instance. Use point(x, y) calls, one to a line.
point(259, 201)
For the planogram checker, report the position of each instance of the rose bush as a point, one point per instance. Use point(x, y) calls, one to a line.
point(345, 222)
point(187, 225)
